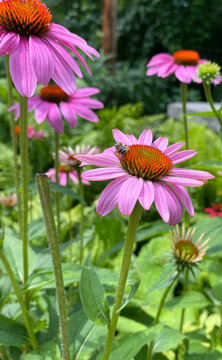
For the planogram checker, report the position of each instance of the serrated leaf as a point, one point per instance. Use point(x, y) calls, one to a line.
point(134, 284)
point(188, 300)
point(12, 333)
point(93, 295)
point(48, 351)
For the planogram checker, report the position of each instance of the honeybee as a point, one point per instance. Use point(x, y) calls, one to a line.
point(121, 149)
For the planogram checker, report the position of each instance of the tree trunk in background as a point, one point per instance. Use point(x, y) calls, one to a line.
point(109, 43)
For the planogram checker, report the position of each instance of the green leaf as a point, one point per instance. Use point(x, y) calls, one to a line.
point(5, 288)
point(48, 351)
point(204, 114)
point(80, 329)
point(166, 278)
point(215, 355)
point(168, 339)
point(55, 187)
point(134, 284)
point(217, 292)
point(128, 346)
point(191, 299)
point(211, 227)
point(93, 295)
point(136, 313)
point(12, 333)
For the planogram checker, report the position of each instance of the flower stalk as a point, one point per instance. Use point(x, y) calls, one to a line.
point(19, 296)
point(81, 193)
point(127, 253)
point(57, 180)
point(161, 304)
point(24, 176)
point(44, 194)
point(13, 138)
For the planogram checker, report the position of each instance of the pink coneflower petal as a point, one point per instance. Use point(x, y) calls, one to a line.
point(88, 102)
point(164, 69)
point(182, 156)
point(103, 174)
point(98, 160)
point(152, 71)
point(68, 113)
point(128, 194)
point(182, 181)
point(184, 197)
point(109, 197)
point(9, 43)
point(170, 150)
point(85, 113)
point(174, 205)
point(120, 137)
point(41, 59)
point(33, 102)
point(146, 137)
point(159, 59)
point(160, 143)
point(85, 92)
point(146, 197)
point(74, 177)
point(66, 56)
point(62, 179)
point(21, 69)
point(160, 200)
point(54, 118)
point(41, 112)
point(192, 174)
point(183, 75)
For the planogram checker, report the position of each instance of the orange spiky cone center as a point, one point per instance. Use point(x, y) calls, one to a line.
point(186, 57)
point(25, 17)
point(145, 161)
point(65, 168)
point(53, 93)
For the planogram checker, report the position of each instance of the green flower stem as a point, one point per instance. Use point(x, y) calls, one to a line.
point(207, 91)
point(57, 180)
point(184, 107)
point(185, 288)
point(14, 140)
point(162, 301)
point(25, 176)
point(127, 253)
point(81, 193)
point(44, 194)
point(19, 296)
point(3, 353)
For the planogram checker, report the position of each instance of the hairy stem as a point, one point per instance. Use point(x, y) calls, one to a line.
point(45, 198)
point(127, 253)
point(57, 180)
point(81, 193)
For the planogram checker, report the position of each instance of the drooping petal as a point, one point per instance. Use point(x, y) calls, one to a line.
point(192, 174)
point(41, 59)
point(120, 137)
point(85, 113)
point(160, 200)
point(16, 109)
point(88, 102)
point(182, 181)
point(85, 92)
point(109, 197)
point(174, 205)
point(54, 118)
point(98, 160)
point(158, 59)
point(68, 113)
point(183, 75)
point(103, 174)
point(170, 150)
point(21, 69)
point(184, 197)
point(41, 112)
point(9, 43)
point(182, 156)
point(129, 194)
point(147, 195)
point(146, 137)
point(62, 178)
point(74, 177)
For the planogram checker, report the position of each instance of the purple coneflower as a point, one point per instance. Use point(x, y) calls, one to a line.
point(36, 47)
point(184, 63)
point(65, 172)
point(52, 102)
point(144, 170)
point(9, 200)
point(67, 155)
